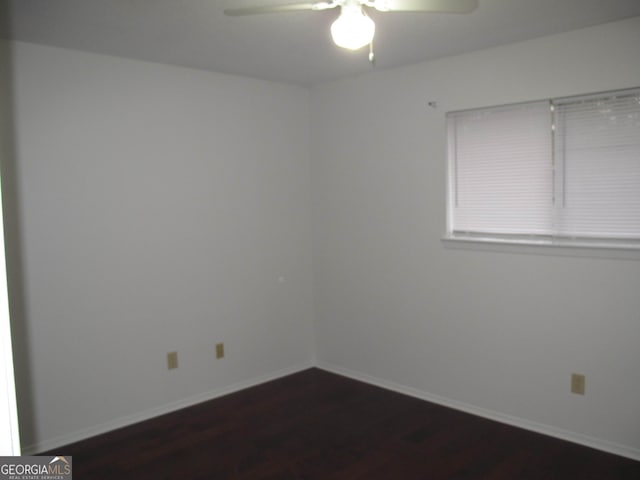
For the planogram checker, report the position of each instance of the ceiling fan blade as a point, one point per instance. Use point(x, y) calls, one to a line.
point(292, 7)
point(435, 6)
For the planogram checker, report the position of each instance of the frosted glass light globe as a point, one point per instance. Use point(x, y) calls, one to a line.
point(352, 29)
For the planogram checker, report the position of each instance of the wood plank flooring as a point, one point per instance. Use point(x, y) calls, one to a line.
point(317, 425)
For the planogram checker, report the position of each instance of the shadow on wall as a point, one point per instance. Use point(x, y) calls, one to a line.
point(13, 235)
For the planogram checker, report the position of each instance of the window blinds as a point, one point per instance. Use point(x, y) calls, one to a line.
point(501, 170)
point(562, 168)
point(598, 140)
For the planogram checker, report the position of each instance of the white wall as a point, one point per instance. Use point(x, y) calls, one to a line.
point(162, 209)
point(160, 206)
point(9, 433)
point(493, 331)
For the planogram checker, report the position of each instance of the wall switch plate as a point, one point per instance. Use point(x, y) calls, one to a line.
point(577, 383)
point(219, 350)
point(172, 360)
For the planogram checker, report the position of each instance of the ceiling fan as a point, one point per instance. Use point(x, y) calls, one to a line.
point(353, 29)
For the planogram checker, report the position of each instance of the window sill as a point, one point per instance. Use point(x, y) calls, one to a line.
point(557, 247)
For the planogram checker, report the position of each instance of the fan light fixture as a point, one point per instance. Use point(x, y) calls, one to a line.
point(353, 29)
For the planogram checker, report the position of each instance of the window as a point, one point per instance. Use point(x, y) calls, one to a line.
point(552, 171)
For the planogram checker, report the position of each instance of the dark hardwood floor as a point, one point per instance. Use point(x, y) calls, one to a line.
point(317, 425)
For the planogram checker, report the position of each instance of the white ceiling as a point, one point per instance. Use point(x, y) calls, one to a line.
point(293, 47)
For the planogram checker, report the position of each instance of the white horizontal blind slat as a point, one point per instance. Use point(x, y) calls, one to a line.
point(502, 170)
point(598, 140)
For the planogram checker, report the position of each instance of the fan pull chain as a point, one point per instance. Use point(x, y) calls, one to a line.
point(372, 57)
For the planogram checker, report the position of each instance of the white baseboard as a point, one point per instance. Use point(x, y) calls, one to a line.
point(544, 429)
point(606, 446)
point(83, 434)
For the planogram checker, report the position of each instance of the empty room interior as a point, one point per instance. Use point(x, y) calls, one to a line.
point(196, 204)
